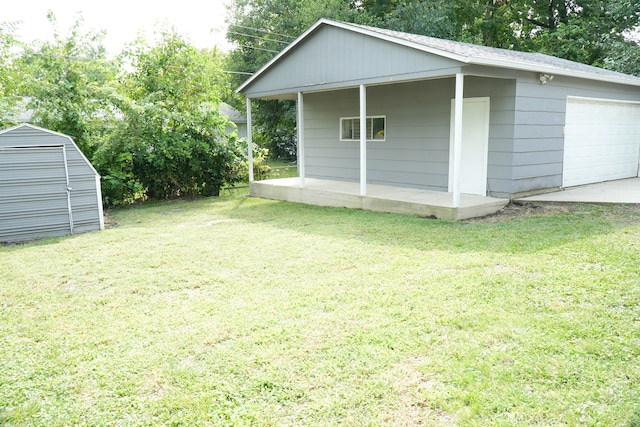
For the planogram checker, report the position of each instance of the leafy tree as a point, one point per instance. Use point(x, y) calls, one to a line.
point(9, 72)
point(171, 141)
point(70, 83)
point(579, 30)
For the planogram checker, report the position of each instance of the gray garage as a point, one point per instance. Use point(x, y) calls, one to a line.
point(447, 119)
point(47, 186)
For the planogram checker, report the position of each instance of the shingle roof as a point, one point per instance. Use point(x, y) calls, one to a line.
point(469, 54)
point(483, 55)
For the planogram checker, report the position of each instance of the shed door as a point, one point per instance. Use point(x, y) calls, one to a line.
point(602, 141)
point(34, 193)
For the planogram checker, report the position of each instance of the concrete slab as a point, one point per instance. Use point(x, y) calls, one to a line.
point(620, 191)
point(380, 198)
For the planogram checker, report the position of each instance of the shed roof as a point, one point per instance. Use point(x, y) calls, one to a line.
point(231, 113)
point(28, 134)
point(465, 53)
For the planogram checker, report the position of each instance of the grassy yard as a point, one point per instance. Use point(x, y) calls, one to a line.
point(238, 311)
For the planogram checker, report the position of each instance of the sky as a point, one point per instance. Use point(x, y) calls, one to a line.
point(200, 21)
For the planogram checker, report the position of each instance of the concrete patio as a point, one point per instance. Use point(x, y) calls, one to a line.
point(620, 191)
point(380, 198)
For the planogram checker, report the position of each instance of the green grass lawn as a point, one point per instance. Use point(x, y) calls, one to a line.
point(239, 311)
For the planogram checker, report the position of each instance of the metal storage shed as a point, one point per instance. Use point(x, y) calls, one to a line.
point(47, 186)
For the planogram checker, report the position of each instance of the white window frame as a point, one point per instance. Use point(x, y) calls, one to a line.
point(370, 120)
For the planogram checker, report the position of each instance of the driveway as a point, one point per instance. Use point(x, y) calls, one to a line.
point(621, 191)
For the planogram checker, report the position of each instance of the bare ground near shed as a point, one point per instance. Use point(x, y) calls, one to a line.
point(622, 214)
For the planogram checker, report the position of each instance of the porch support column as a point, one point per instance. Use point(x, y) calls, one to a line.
point(363, 140)
point(300, 126)
point(457, 139)
point(249, 140)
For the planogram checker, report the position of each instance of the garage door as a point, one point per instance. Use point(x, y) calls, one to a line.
point(602, 141)
point(34, 193)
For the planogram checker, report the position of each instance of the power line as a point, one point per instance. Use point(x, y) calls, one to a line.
point(257, 37)
point(264, 31)
point(233, 72)
point(259, 48)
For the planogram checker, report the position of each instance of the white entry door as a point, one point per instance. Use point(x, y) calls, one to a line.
point(475, 146)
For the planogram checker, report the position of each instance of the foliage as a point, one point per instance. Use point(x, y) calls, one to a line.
point(10, 75)
point(187, 314)
point(276, 124)
point(70, 83)
point(171, 141)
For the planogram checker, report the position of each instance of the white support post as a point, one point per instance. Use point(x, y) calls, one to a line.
point(457, 139)
point(249, 140)
point(300, 126)
point(363, 140)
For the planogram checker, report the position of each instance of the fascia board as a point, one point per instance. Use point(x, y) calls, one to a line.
point(514, 65)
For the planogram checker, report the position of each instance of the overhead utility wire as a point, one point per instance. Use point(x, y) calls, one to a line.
point(263, 31)
point(257, 37)
point(259, 48)
point(233, 72)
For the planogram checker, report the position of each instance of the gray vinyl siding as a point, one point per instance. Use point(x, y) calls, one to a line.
point(502, 103)
point(416, 151)
point(333, 58)
point(33, 199)
point(540, 110)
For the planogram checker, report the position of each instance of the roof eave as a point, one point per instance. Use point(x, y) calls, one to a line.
point(513, 65)
point(471, 60)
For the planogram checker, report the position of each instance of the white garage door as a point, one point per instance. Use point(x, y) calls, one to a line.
point(602, 141)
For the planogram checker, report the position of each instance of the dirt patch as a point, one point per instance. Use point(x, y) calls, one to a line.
point(524, 210)
point(417, 393)
point(621, 214)
point(109, 221)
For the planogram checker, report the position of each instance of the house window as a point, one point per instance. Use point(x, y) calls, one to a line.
point(350, 128)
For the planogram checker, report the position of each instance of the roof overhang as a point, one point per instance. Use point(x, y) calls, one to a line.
point(511, 64)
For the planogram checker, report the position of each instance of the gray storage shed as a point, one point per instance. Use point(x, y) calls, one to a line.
point(448, 117)
point(47, 186)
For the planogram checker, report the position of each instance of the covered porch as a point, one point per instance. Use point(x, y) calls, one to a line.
point(379, 198)
point(408, 136)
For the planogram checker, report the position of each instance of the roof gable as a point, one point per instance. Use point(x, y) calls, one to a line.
point(330, 57)
point(463, 53)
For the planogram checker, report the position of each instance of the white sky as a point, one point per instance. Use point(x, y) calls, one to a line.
point(200, 21)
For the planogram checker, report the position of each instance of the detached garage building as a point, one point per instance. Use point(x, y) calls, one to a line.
point(47, 186)
point(443, 121)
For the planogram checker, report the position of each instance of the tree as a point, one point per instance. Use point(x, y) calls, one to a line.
point(171, 141)
point(586, 31)
point(70, 83)
point(9, 72)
